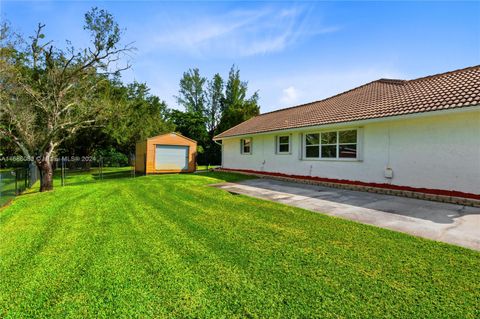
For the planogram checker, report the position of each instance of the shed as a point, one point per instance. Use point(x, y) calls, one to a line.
point(167, 153)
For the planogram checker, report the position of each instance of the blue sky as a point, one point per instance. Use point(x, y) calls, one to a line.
point(291, 52)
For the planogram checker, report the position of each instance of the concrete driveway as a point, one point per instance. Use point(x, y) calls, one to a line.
point(449, 223)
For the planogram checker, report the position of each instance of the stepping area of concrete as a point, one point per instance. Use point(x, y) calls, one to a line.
point(454, 224)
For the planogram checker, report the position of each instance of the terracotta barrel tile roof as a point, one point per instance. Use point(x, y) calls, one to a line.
point(377, 99)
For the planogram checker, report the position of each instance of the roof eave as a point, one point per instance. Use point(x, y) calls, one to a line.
point(470, 108)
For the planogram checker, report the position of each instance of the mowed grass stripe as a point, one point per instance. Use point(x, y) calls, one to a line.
point(53, 258)
point(128, 271)
point(199, 256)
point(161, 240)
point(198, 259)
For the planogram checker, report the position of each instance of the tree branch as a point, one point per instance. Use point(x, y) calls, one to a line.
point(16, 140)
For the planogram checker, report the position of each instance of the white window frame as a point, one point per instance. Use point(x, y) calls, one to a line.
point(277, 144)
point(338, 144)
point(242, 146)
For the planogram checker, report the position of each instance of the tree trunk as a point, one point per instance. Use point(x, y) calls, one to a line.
point(46, 174)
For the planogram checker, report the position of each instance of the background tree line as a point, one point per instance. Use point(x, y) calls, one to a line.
point(68, 101)
point(212, 106)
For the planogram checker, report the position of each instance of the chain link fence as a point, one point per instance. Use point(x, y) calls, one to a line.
point(73, 170)
point(70, 170)
point(15, 180)
point(66, 171)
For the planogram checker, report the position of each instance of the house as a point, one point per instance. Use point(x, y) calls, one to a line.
point(420, 135)
point(166, 153)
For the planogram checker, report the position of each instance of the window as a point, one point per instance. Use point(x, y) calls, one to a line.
point(347, 144)
point(331, 145)
point(283, 144)
point(312, 145)
point(246, 146)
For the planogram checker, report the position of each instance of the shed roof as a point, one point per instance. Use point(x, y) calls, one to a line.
point(174, 133)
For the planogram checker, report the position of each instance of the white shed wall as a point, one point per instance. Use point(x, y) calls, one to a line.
point(437, 152)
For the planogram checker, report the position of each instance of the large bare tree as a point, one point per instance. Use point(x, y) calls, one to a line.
point(48, 92)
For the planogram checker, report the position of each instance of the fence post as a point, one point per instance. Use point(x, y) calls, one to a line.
point(62, 171)
point(133, 165)
point(101, 168)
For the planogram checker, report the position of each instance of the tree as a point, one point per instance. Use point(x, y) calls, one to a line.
point(189, 124)
point(214, 102)
point(192, 92)
point(136, 116)
point(48, 93)
point(212, 107)
point(236, 107)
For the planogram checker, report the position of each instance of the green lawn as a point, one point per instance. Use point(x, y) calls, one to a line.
point(171, 246)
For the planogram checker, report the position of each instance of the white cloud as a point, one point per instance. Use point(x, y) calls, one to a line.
point(235, 33)
point(289, 96)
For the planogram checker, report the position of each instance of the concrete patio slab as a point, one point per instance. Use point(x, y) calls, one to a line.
point(454, 224)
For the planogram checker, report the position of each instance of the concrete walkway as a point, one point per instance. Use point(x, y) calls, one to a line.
point(449, 223)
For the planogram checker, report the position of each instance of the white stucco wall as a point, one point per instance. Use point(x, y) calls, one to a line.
point(438, 152)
